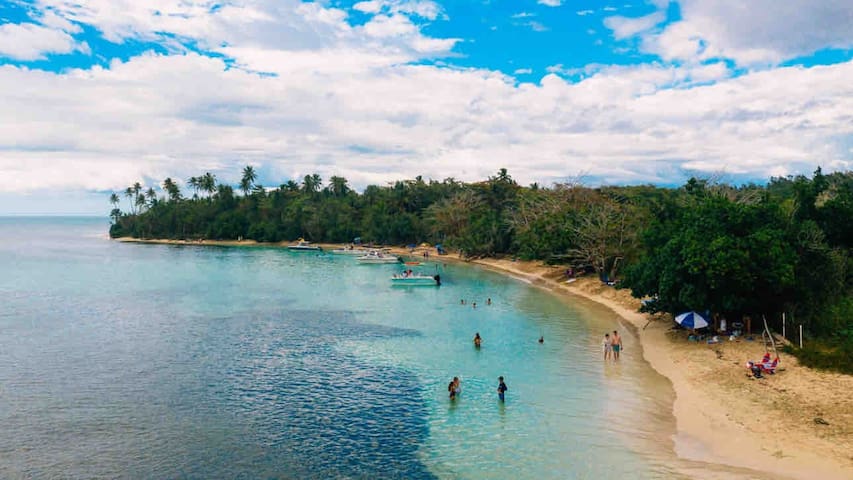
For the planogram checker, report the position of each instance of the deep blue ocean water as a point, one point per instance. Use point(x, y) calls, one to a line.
point(133, 361)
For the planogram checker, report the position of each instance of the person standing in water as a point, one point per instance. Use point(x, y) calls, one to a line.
point(457, 386)
point(451, 390)
point(607, 345)
point(616, 343)
point(477, 340)
point(489, 301)
point(502, 388)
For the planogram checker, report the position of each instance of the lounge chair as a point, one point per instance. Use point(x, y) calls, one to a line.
point(769, 367)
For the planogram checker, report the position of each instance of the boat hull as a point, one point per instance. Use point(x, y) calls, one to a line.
point(303, 248)
point(379, 260)
point(425, 282)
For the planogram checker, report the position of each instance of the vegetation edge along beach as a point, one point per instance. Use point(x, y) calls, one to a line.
point(741, 252)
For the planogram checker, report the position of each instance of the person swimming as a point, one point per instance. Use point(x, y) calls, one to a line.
point(489, 301)
point(474, 304)
point(542, 339)
point(477, 340)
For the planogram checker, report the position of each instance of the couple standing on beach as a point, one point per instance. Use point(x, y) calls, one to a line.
point(612, 344)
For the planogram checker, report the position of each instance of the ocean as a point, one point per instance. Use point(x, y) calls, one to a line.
point(122, 360)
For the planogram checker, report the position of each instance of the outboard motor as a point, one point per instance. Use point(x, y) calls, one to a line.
point(437, 279)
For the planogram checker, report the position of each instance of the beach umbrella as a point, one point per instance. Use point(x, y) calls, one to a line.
point(691, 320)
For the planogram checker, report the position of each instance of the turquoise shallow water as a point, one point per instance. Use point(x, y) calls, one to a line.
point(144, 361)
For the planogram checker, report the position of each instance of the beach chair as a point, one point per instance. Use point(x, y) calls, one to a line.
point(769, 367)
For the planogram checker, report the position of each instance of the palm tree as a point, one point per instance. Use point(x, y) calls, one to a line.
point(152, 196)
point(311, 183)
point(248, 180)
point(115, 214)
point(140, 203)
point(195, 184)
point(208, 183)
point(338, 186)
point(172, 189)
point(128, 192)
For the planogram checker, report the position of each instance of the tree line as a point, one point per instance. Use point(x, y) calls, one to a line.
point(756, 250)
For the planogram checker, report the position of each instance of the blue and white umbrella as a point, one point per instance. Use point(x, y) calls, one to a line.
point(691, 320)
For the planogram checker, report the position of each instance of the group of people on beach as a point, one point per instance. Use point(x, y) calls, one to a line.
point(612, 345)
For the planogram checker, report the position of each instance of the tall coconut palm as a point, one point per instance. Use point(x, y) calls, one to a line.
point(140, 203)
point(248, 180)
point(338, 186)
point(128, 192)
point(311, 183)
point(208, 183)
point(115, 214)
point(195, 184)
point(151, 195)
point(172, 189)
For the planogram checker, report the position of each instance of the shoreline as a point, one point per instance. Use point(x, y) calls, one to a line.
point(721, 416)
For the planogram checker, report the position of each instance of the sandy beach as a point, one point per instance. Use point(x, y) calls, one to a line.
point(795, 424)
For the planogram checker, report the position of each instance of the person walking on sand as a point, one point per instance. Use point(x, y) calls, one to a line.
point(607, 345)
point(616, 344)
point(502, 388)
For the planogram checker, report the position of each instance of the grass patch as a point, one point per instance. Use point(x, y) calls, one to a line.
point(836, 357)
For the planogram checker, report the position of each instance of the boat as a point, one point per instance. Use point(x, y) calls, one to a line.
point(416, 279)
point(350, 251)
point(375, 256)
point(304, 246)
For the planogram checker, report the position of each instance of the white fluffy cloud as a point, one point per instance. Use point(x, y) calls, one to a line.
point(157, 116)
point(551, 3)
point(624, 27)
point(29, 41)
point(758, 32)
point(353, 101)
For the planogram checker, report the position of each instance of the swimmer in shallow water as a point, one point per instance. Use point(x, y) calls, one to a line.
point(477, 340)
point(502, 388)
point(542, 339)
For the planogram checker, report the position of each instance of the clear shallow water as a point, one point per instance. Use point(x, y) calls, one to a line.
point(142, 361)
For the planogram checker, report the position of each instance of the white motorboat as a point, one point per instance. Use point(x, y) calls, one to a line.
point(350, 251)
point(375, 256)
point(416, 279)
point(304, 246)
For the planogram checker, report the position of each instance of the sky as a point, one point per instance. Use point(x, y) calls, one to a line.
point(98, 94)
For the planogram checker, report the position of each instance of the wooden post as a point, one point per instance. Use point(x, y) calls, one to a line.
point(801, 335)
point(783, 326)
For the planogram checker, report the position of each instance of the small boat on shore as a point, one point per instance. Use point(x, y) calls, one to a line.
point(375, 256)
point(304, 246)
point(416, 279)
